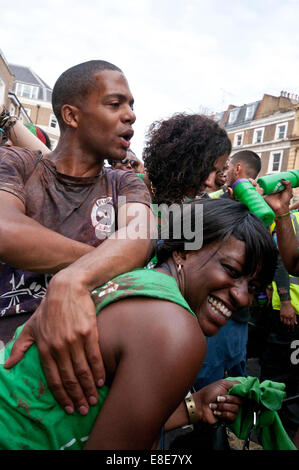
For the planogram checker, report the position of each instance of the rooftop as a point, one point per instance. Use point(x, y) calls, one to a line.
point(26, 76)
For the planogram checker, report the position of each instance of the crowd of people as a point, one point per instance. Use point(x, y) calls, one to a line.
point(109, 320)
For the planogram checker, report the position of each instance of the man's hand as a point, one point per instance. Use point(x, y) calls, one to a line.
point(65, 330)
point(287, 314)
point(280, 202)
point(213, 403)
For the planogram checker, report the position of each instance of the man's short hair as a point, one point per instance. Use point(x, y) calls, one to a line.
point(75, 84)
point(250, 160)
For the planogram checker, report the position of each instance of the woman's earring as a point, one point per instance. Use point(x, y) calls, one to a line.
point(179, 268)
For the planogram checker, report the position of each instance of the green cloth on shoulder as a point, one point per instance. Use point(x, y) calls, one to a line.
point(268, 397)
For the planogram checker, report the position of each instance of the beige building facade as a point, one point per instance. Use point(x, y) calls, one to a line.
point(27, 96)
point(270, 128)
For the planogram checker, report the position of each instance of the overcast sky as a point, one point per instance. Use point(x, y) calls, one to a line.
point(178, 55)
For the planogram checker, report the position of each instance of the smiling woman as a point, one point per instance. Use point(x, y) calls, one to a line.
point(147, 319)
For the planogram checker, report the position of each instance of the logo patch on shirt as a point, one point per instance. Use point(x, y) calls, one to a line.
point(103, 217)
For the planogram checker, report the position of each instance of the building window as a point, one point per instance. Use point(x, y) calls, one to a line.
point(281, 131)
point(53, 121)
point(27, 91)
point(275, 161)
point(233, 116)
point(238, 139)
point(258, 136)
point(249, 112)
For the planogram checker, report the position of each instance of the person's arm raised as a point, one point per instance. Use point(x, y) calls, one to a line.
point(287, 242)
point(26, 244)
point(64, 325)
point(22, 137)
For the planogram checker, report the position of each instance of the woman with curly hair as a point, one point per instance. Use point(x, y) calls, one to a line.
point(181, 156)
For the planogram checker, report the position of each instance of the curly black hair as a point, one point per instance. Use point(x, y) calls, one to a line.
point(180, 153)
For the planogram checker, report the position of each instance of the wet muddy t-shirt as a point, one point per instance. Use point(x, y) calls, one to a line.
point(84, 209)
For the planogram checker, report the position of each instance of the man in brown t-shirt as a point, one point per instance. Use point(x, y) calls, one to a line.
point(56, 214)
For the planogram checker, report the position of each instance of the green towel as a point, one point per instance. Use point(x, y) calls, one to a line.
point(268, 397)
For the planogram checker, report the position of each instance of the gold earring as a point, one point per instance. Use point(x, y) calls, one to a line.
point(179, 268)
point(152, 188)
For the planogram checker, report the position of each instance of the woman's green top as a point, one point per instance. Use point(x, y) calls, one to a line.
point(29, 414)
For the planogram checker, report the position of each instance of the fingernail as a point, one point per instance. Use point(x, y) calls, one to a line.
point(100, 383)
point(217, 413)
point(92, 400)
point(69, 410)
point(213, 406)
point(83, 410)
point(220, 398)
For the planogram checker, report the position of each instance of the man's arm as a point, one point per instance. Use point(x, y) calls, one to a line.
point(282, 279)
point(26, 244)
point(286, 238)
point(64, 325)
point(22, 137)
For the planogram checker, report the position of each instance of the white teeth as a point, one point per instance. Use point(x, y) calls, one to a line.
point(218, 305)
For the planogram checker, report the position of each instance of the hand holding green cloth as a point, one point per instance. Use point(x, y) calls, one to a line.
point(267, 396)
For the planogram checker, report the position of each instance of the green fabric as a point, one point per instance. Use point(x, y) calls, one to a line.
point(140, 282)
point(141, 176)
point(30, 416)
point(216, 194)
point(269, 396)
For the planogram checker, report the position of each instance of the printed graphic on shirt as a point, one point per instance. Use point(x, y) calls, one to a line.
point(20, 291)
point(103, 217)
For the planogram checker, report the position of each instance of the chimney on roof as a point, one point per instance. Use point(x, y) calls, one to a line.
point(291, 96)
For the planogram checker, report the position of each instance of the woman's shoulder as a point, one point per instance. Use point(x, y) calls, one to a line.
point(160, 324)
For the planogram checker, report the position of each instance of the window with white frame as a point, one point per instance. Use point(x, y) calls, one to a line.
point(233, 116)
point(258, 135)
point(238, 139)
point(281, 131)
point(249, 112)
point(275, 161)
point(27, 91)
point(53, 121)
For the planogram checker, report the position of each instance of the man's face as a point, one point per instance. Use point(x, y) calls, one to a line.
point(107, 116)
point(209, 184)
point(230, 174)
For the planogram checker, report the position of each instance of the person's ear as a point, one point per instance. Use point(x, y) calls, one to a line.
point(238, 168)
point(70, 115)
point(179, 257)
